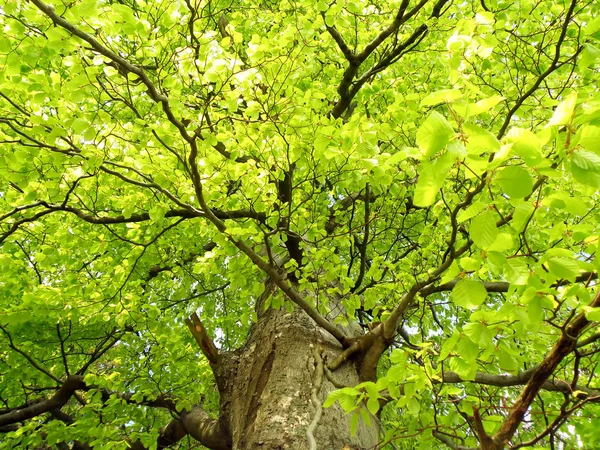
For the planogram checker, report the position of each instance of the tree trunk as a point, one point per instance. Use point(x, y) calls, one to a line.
point(266, 402)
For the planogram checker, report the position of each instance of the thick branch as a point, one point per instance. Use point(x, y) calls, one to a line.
point(196, 422)
point(206, 430)
point(141, 217)
point(400, 18)
point(565, 345)
point(448, 442)
point(57, 401)
point(365, 242)
point(339, 40)
point(347, 89)
point(202, 338)
point(477, 423)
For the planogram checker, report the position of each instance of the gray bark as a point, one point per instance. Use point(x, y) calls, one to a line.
point(267, 402)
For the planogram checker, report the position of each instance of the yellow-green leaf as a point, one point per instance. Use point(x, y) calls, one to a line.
point(564, 111)
point(468, 293)
point(483, 229)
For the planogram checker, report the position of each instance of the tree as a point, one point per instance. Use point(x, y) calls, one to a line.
point(267, 225)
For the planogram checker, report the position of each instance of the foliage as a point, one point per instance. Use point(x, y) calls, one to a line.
point(434, 165)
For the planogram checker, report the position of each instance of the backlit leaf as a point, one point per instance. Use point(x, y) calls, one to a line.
point(515, 181)
point(468, 293)
point(483, 229)
point(564, 111)
point(443, 96)
point(434, 134)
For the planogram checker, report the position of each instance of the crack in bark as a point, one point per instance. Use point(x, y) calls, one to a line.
point(257, 386)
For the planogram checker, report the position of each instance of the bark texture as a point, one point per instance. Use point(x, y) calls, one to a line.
point(269, 400)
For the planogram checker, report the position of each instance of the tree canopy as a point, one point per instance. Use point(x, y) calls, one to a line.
point(425, 173)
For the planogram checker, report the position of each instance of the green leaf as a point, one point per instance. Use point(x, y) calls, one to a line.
point(535, 312)
point(564, 111)
point(592, 314)
point(483, 229)
point(592, 26)
point(354, 423)
point(525, 144)
point(364, 414)
point(431, 179)
point(443, 96)
point(480, 333)
point(588, 57)
point(480, 140)
point(484, 105)
point(337, 395)
point(586, 177)
point(470, 264)
point(348, 402)
point(398, 357)
point(507, 361)
point(468, 293)
point(450, 273)
point(503, 242)
point(322, 6)
point(564, 268)
point(333, 397)
point(396, 157)
point(329, 19)
point(485, 17)
point(353, 8)
point(522, 215)
point(516, 271)
point(495, 259)
point(470, 212)
point(110, 71)
point(464, 368)
point(157, 213)
point(449, 345)
point(434, 134)
point(427, 185)
point(373, 405)
point(586, 160)
point(589, 138)
point(79, 125)
point(467, 348)
point(515, 182)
